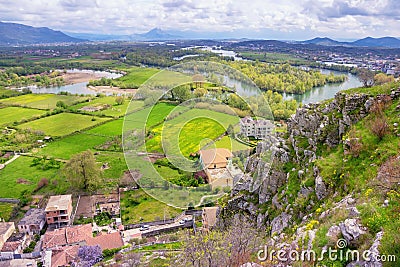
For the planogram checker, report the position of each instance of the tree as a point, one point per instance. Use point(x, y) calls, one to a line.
point(237, 102)
point(61, 104)
point(230, 130)
point(82, 172)
point(200, 92)
point(366, 77)
point(198, 80)
point(119, 100)
point(221, 247)
point(89, 255)
point(382, 78)
point(181, 93)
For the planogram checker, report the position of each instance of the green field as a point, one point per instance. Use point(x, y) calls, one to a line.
point(21, 169)
point(138, 207)
point(193, 133)
point(160, 111)
point(113, 110)
point(63, 123)
point(135, 120)
point(9, 115)
point(231, 144)
point(42, 101)
point(192, 127)
point(111, 128)
point(116, 163)
point(6, 210)
point(4, 93)
point(73, 144)
point(135, 76)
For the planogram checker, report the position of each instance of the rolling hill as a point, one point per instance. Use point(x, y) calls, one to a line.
point(389, 42)
point(19, 34)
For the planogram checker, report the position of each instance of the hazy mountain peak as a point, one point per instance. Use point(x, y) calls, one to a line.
point(155, 34)
point(19, 34)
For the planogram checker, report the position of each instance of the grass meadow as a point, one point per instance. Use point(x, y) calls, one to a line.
point(72, 144)
point(42, 101)
point(20, 175)
point(114, 110)
point(63, 123)
point(138, 207)
point(6, 210)
point(9, 115)
point(191, 127)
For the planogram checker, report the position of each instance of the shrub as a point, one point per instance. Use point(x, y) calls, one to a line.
point(119, 100)
point(103, 219)
point(379, 126)
point(42, 183)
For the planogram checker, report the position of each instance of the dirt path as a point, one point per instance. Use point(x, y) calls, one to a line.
point(11, 160)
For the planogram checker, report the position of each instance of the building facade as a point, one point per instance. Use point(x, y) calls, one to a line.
point(33, 221)
point(259, 129)
point(59, 210)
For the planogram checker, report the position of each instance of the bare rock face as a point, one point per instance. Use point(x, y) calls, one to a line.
point(279, 223)
point(325, 123)
point(320, 188)
point(351, 230)
point(333, 232)
point(269, 153)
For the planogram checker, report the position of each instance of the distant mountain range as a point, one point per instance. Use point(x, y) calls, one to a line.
point(155, 34)
point(389, 42)
point(19, 34)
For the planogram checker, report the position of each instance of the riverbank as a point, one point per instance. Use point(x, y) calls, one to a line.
point(75, 77)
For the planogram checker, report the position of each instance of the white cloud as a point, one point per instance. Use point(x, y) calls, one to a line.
point(335, 18)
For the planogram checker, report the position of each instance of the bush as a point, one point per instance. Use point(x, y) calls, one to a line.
point(42, 183)
point(379, 126)
point(103, 219)
point(30, 248)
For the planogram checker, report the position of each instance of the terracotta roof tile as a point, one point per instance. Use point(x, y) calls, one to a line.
point(216, 155)
point(78, 233)
point(11, 246)
point(54, 238)
point(64, 255)
point(107, 241)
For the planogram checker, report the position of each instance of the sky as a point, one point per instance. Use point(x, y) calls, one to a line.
point(265, 19)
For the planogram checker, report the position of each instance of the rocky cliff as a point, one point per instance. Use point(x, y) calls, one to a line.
point(290, 196)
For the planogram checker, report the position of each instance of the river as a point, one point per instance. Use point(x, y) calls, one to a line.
point(316, 94)
point(326, 91)
point(76, 88)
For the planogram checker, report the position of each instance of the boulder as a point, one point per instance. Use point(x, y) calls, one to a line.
point(333, 232)
point(351, 230)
